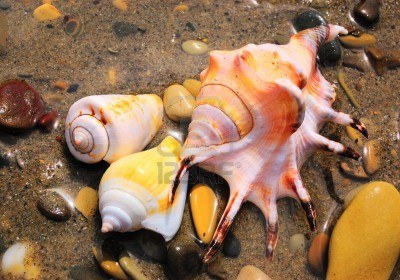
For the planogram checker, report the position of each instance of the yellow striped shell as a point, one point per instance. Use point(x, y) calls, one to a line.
point(134, 191)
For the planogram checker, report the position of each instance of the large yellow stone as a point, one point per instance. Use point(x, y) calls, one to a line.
point(86, 202)
point(204, 207)
point(46, 12)
point(365, 242)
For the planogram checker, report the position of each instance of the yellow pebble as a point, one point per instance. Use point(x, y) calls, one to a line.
point(365, 242)
point(86, 202)
point(113, 269)
point(354, 135)
point(250, 272)
point(181, 8)
point(46, 12)
point(179, 103)
point(204, 206)
point(193, 86)
point(112, 76)
point(121, 4)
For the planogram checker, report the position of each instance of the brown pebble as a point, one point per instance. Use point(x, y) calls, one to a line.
point(21, 106)
point(53, 206)
point(371, 158)
point(351, 41)
point(355, 62)
point(318, 254)
point(61, 85)
point(381, 59)
point(49, 121)
point(354, 171)
point(366, 12)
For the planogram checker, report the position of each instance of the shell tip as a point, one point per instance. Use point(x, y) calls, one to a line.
point(106, 227)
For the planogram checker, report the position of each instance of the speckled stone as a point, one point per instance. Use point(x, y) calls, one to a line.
point(124, 29)
point(53, 206)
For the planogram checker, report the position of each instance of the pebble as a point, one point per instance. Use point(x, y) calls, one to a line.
point(20, 261)
point(318, 254)
point(53, 206)
point(381, 59)
point(193, 86)
point(365, 242)
point(353, 170)
point(204, 209)
point(194, 47)
point(3, 33)
point(366, 12)
point(4, 5)
point(46, 12)
point(108, 261)
point(131, 266)
point(183, 260)
point(250, 272)
point(86, 202)
point(355, 62)
point(78, 272)
point(21, 106)
point(371, 159)
point(73, 27)
point(61, 85)
point(120, 4)
point(297, 242)
point(25, 75)
point(179, 103)
point(49, 121)
point(153, 244)
point(329, 53)
point(354, 135)
point(352, 41)
point(181, 8)
point(124, 29)
point(350, 196)
point(231, 247)
point(72, 88)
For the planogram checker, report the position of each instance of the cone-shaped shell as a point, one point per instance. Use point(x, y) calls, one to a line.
point(108, 127)
point(134, 191)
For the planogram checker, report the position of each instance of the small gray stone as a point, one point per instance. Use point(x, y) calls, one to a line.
point(4, 5)
point(53, 207)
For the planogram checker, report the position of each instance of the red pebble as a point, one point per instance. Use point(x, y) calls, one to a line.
point(49, 121)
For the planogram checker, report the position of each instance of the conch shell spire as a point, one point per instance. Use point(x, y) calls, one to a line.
point(259, 112)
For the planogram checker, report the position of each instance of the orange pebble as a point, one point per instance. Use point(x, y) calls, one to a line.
point(61, 85)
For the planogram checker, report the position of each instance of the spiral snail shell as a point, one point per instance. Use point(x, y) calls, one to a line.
point(133, 192)
point(108, 127)
point(258, 112)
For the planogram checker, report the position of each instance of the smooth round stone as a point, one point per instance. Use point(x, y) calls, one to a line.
point(107, 257)
point(46, 12)
point(194, 47)
point(297, 242)
point(183, 260)
point(231, 247)
point(179, 103)
point(366, 12)
point(318, 254)
point(53, 206)
point(73, 27)
point(250, 272)
point(86, 202)
point(353, 170)
point(308, 19)
point(3, 33)
point(153, 244)
point(351, 41)
point(131, 266)
point(354, 135)
point(120, 4)
point(78, 272)
point(193, 86)
point(371, 159)
point(4, 5)
point(329, 53)
point(204, 209)
point(21, 106)
point(365, 242)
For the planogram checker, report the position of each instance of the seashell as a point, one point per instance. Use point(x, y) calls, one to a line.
point(256, 121)
point(134, 191)
point(109, 127)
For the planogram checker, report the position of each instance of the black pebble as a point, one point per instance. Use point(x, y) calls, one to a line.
point(73, 88)
point(231, 247)
point(307, 20)
point(366, 12)
point(191, 26)
point(153, 244)
point(183, 260)
point(4, 5)
point(329, 53)
point(53, 207)
point(123, 29)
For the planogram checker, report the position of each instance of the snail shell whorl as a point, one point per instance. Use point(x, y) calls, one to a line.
point(111, 126)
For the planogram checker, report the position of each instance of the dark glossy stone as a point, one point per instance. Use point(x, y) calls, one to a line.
point(366, 12)
point(329, 53)
point(53, 206)
point(73, 27)
point(123, 29)
point(153, 244)
point(21, 106)
point(231, 247)
point(72, 88)
point(84, 273)
point(49, 121)
point(4, 5)
point(382, 58)
point(308, 19)
point(183, 260)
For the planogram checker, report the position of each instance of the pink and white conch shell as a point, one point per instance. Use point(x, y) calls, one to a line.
point(260, 109)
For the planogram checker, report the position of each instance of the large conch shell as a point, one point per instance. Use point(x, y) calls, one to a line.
point(257, 120)
point(134, 191)
point(108, 127)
